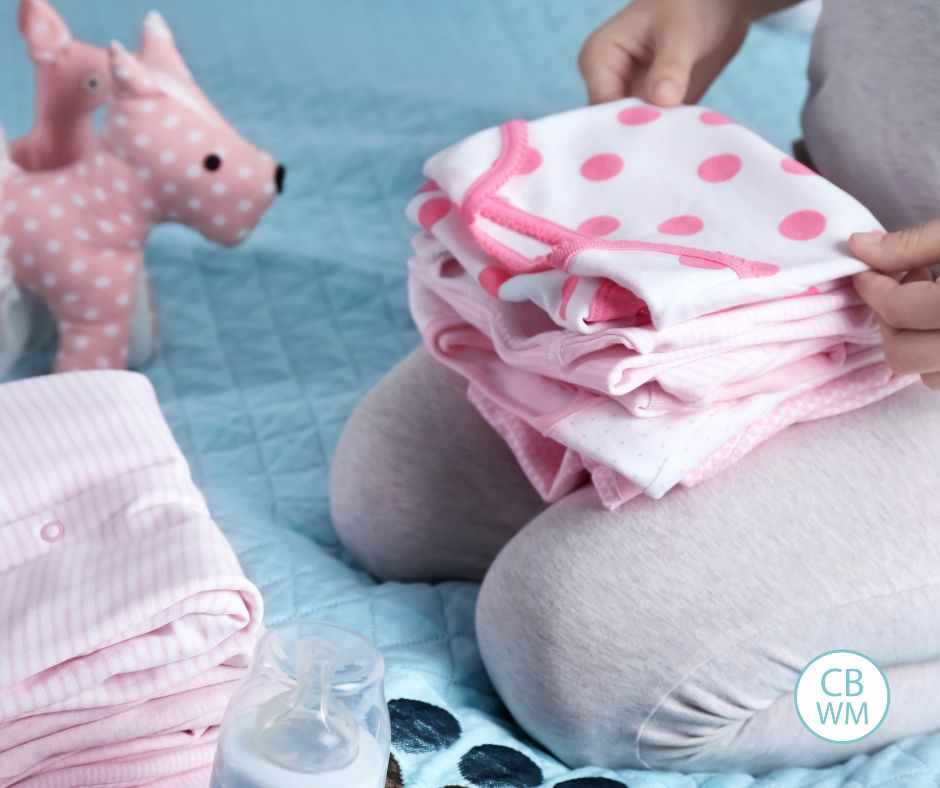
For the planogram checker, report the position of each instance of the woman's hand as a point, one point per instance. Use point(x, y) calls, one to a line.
point(666, 51)
point(905, 296)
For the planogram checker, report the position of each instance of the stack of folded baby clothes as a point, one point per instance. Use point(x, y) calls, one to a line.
point(641, 295)
point(125, 618)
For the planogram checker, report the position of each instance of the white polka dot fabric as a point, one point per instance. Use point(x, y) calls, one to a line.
point(638, 293)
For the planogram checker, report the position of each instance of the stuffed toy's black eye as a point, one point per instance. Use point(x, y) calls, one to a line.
point(212, 162)
point(92, 82)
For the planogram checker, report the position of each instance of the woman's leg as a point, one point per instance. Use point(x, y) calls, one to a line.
point(421, 487)
point(670, 634)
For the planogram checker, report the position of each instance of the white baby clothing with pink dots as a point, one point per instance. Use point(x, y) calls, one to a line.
point(640, 294)
point(632, 212)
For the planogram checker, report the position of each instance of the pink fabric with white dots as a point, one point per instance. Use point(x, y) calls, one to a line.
point(72, 81)
point(75, 236)
point(715, 309)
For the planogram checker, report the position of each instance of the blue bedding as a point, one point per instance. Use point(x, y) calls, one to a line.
point(267, 347)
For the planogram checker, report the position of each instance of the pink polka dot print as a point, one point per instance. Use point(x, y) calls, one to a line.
point(531, 161)
point(699, 262)
point(598, 226)
point(794, 167)
point(717, 169)
point(567, 290)
point(433, 211)
point(755, 268)
point(492, 278)
point(613, 302)
point(809, 291)
point(602, 167)
point(637, 116)
point(803, 225)
point(743, 269)
point(681, 225)
point(712, 118)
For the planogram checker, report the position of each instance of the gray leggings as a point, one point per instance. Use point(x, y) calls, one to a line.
point(668, 634)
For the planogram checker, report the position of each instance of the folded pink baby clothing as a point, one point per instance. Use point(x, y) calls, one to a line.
point(718, 357)
point(638, 358)
point(126, 617)
point(538, 413)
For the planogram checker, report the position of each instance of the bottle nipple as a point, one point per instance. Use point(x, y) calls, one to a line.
point(306, 728)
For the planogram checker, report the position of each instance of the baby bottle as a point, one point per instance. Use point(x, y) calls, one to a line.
point(310, 713)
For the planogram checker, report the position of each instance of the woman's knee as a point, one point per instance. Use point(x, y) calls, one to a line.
point(363, 514)
point(592, 668)
point(421, 488)
point(378, 485)
point(542, 619)
point(629, 640)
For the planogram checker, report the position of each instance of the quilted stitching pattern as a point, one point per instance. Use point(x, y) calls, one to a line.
point(266, 348)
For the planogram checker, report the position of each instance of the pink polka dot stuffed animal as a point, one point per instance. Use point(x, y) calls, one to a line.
point(75, 236)
point(72, 81)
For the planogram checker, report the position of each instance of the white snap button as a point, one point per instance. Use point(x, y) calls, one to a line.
point(52, 531)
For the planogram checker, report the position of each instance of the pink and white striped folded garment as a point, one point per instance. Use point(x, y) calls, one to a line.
point(638, 357)
point(126, 617)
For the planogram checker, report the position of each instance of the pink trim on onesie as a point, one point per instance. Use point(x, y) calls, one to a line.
point(611, 301)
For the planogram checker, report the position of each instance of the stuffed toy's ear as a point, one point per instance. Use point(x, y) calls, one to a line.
point(131, 78)
point(158, 49)
point(46, 34)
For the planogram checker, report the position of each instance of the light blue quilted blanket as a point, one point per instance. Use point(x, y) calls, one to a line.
point(267, 347)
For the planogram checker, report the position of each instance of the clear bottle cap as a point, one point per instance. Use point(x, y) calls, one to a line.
point(310, 713)
point(306, 728)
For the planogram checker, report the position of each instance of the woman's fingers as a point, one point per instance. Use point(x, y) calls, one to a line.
point(910, 308)
point(909, 305)
point(917, 275)
point(606, 67)
point(910, 320)
point(911, 352)
point(931, 380)
point(676, 46)
point(915, 247)
point(609, 58)
point(640, 49)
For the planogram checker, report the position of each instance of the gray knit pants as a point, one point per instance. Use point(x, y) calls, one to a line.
point(670, 633)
